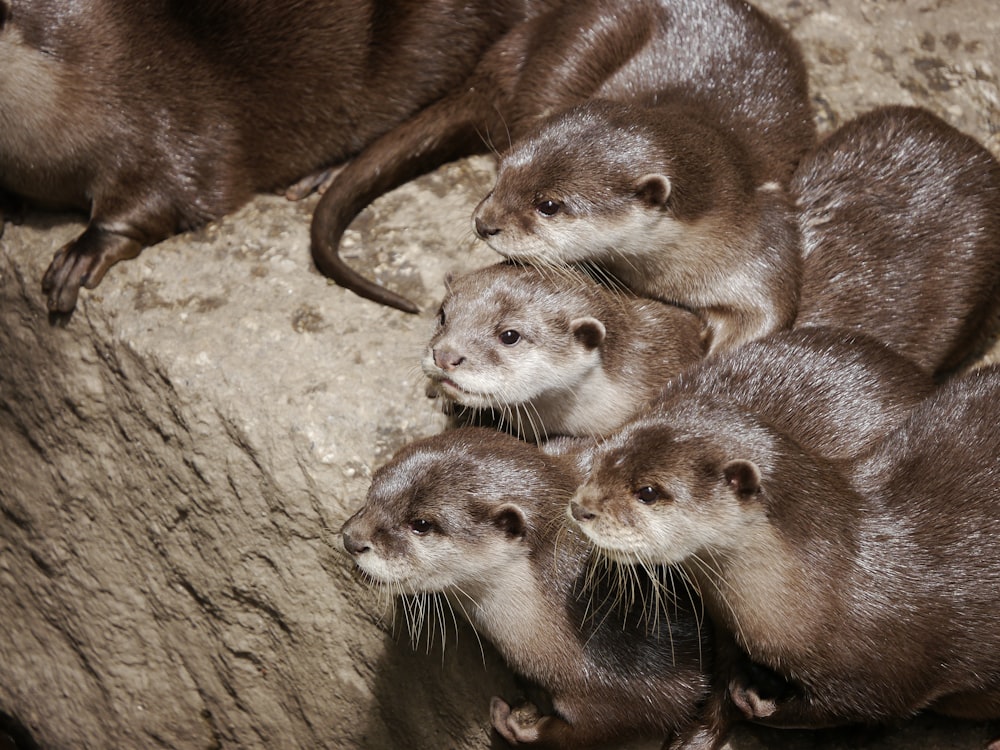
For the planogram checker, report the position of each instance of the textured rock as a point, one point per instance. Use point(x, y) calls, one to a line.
point(175, 463)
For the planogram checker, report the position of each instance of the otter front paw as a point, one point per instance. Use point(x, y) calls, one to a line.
point(750, 703)
point(83, 263)
point(520, 725)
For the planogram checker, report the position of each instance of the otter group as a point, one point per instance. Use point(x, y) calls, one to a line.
point(733, 358)
point(737, 374)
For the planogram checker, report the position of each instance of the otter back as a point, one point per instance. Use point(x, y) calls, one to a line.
point(900, 221)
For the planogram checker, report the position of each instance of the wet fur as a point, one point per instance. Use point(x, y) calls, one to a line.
point(722, 57)
point(497, 548)
point(900, 221)
point(160, 115)
point(584, 359)
point(811, 565)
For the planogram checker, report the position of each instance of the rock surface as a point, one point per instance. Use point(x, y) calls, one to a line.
point(175, 463)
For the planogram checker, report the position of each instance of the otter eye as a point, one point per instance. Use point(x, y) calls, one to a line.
point(547, 208)
point(441, 317)
point(647, 495)
point(509, 338)
point(421, 526)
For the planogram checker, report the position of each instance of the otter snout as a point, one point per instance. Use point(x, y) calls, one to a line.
point(485, 229)
point(447, 358)
point(353, 545)
point(579, 513)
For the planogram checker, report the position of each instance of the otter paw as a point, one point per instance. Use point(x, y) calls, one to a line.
point(83, 263)
point(313, 183)
point(519, 726)
point(750, 703)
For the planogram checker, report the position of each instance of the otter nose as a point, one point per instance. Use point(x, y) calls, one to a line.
point(354, 546)
point(580, 513)
point(447, 359)
point(485, 230)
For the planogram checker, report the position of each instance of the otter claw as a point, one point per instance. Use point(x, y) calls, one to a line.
point(83, 263)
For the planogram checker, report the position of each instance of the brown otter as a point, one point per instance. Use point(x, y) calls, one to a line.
point(662, 199)
point(477, 516)
point(159, 116)
point(736, 76)
point(900, 221)
point(870, 586)
point(554, 353)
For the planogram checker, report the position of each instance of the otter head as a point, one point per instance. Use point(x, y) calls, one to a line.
point(659, 496)
point(508, 335)
point(444, 514)
point(586, 183)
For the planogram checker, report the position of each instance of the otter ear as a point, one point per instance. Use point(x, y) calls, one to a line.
point(743, 477)
point(511, 521)
point(588, 331)
point(653, 190)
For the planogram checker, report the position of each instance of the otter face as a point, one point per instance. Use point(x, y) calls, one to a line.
point(504, 340)
point(427, 527)
point(654, 497)
point(585, 186)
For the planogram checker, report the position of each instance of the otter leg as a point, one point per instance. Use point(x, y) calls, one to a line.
point(83, 262)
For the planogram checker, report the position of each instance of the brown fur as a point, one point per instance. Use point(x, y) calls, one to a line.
point(477, 516)
point(836, 391)
point(663, 200)
point(552, 352)
point(810, 566)
point(160, 115)
point(722, 58)
point(900, 221)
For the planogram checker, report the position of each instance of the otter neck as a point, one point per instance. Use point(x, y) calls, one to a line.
point(521, 619)
point(765, 593)
point(592, 407)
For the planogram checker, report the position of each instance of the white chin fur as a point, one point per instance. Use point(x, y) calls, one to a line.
point(385, 572)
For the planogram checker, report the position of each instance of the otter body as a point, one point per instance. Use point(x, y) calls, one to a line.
point(158, 116)
point(810, 566)
point(476, 515)
point(899, 215)
point(554, 353)
point(721, 59)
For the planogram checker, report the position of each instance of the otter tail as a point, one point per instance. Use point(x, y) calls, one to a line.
point(448, 129)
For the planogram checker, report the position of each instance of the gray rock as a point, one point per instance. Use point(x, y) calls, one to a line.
point(175, 463)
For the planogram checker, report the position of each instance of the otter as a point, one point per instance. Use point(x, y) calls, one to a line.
point(663, 200)
point(733, 76)
point(554, 353)
point(899, 215)
point(160, 116)
point(477, 516)
point(809, 565)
